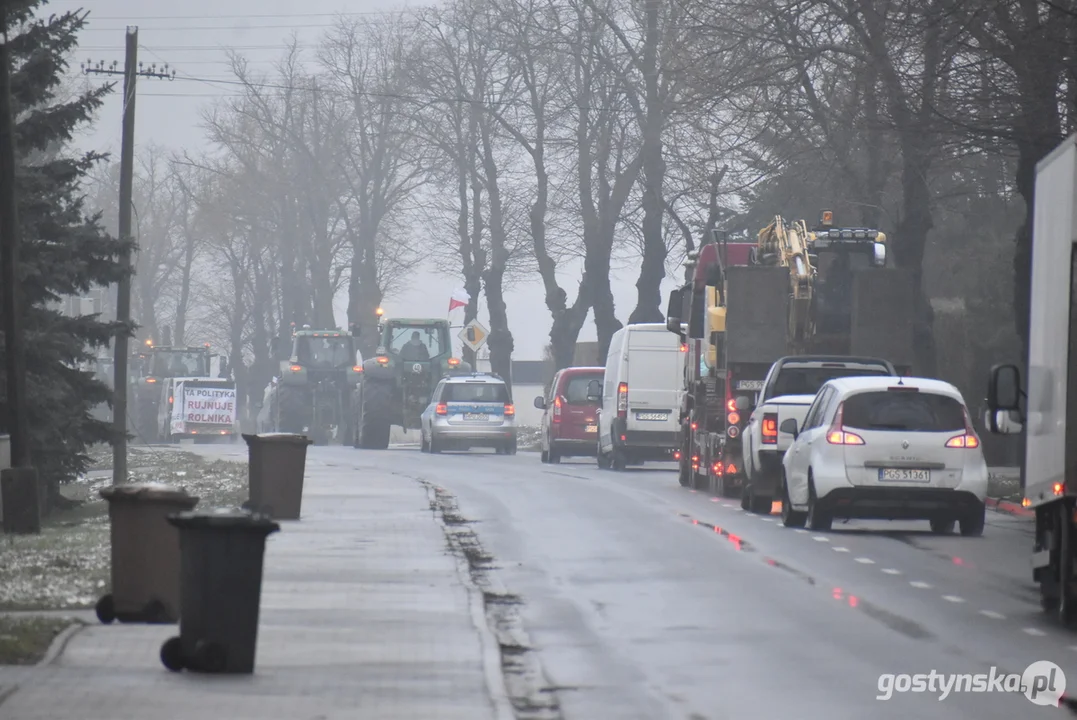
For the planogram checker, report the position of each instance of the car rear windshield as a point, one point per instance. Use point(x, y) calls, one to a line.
point(807, 380)
point(908, 411)
point(475, 393)
point(575, 391)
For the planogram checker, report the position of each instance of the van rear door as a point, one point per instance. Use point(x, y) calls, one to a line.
point(655, 378)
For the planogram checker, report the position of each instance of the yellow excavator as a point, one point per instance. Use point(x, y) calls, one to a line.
point(788, 245)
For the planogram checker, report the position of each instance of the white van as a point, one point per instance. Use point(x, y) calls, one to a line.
point(641, 396)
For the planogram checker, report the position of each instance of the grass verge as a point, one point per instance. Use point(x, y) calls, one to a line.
point(25, 640)
point(67, 566)
point(1005, 485)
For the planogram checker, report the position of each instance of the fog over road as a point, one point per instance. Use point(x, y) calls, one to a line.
point(646, 600)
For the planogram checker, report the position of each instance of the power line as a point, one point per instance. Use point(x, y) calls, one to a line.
point(179, 28)
point(282, 16)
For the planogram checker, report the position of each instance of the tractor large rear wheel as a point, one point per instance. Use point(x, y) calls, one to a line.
point(374, 413)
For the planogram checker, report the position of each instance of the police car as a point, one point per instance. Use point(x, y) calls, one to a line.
point(467, 411)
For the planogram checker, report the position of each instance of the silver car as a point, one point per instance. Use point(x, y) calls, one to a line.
point(469, 411)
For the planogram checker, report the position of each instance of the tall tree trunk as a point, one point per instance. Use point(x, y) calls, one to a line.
point(500, 339)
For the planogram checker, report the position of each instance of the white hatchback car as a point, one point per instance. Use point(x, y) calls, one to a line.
point(885, 448)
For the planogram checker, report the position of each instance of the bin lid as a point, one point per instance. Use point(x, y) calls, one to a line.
point(278, 438)
point(148, 492)
point(225, 518)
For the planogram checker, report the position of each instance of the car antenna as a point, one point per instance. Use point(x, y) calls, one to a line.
point(900, 380)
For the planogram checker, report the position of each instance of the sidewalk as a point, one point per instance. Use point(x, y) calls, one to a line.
point(364, 614)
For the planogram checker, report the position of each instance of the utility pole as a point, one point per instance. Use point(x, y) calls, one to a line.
point(132, 69)
point(9, 259)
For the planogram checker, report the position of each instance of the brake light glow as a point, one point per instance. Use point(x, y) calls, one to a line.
point(557, 409)
point(716, 469)
point(676, 454)
point(453, 362)
point(837, 435)
point(622, 400)
point(695, 462)
point(357, 368)
point(730, 469)
point(695, 426)
point(151, 380)
point(442, 409)
point(296, 368)
point(733, 418)
point(684, 347)
point(383, 360)
point(770, 429)
point(731, 404)
point(967, 440)
point(510, 410)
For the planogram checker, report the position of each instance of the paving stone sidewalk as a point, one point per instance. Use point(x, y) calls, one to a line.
point(364, 614)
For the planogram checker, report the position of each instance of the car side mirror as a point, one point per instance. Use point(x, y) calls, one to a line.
point(789, 427)
point(540, 403)
point(1003, 422)
point(1004, 388)
point(742, 403)
point(594, 391)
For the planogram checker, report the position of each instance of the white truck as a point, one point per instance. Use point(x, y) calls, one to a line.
point(788, 390)
point(1047, 411)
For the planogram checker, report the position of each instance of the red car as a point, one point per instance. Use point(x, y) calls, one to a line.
point(570, 420)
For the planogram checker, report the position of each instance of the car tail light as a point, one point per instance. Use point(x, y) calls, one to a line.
point(453, 362)
point(676, 454)
point(731, 404)
point(622, 400)
point(684, 347)
point(716, 469)
point(967, 440)
point(296, 368)
point(695, 426)
point(695, 462)
point(357, 368)
point(837, 435)
point(151, 380)
point(442, 409)
point(557, 409)
point(383, 360)
point(733, 418)
point(510, 410)
point(770, 428)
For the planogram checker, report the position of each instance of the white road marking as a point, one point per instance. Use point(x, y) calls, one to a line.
point(820, 538)
point(768, 519)
point(865, 561)
point(840, 549)
point(1035, 632)
point(993, 615)
point(891, 571)
point(953, 598)
point(728, 505)
point(802, 531)
point(919, 584)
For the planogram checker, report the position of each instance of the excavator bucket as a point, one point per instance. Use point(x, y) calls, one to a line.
point(883, 314)
point(757, 314)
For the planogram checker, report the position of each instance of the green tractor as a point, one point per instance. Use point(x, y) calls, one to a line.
point(315, 386)
point(413, 355)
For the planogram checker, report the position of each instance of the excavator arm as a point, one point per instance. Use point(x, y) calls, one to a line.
point(788, 245)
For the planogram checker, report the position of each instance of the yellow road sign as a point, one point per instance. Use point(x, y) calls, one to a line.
point(473, 335)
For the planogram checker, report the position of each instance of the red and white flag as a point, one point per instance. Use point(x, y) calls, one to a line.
point(459, 298)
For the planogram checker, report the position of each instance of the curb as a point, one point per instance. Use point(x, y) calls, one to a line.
point(59, 643)
point(1011, 508)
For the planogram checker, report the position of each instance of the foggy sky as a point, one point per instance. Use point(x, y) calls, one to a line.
point(193, 37)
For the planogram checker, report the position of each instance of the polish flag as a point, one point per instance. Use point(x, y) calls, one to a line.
point(459, 298)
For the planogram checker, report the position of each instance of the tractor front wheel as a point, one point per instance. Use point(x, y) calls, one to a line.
point(374, 413)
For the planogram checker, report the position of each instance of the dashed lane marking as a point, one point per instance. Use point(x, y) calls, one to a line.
point(820, 538)
point(865, 561)
point(891, 571)
point(802, 531)
point(919, 584)
point(993, 615)
point(1035, 632)
point(840, 549)
point(953, 598)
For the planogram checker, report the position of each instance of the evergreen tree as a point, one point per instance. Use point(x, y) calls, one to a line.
point(64, 251)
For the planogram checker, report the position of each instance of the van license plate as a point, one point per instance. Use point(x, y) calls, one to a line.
point(904, 475)
point(660, 417)
point(476, 416)
point(592, 428)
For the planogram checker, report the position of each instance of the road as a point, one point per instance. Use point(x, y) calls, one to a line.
point(647, 600)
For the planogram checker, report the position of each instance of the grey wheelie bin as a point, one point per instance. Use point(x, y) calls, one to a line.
point(145, 553)
point(276, 463)
point(221, 591)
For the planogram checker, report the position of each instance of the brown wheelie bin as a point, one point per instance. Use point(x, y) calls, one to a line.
point(145, 553)
point(276, 463)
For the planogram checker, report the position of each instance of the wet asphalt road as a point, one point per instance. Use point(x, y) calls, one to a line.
point(651, 601)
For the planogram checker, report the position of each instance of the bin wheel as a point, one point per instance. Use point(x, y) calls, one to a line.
point(209, 657)
point(172, 654)
point(105, 609)
point(156, 613)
